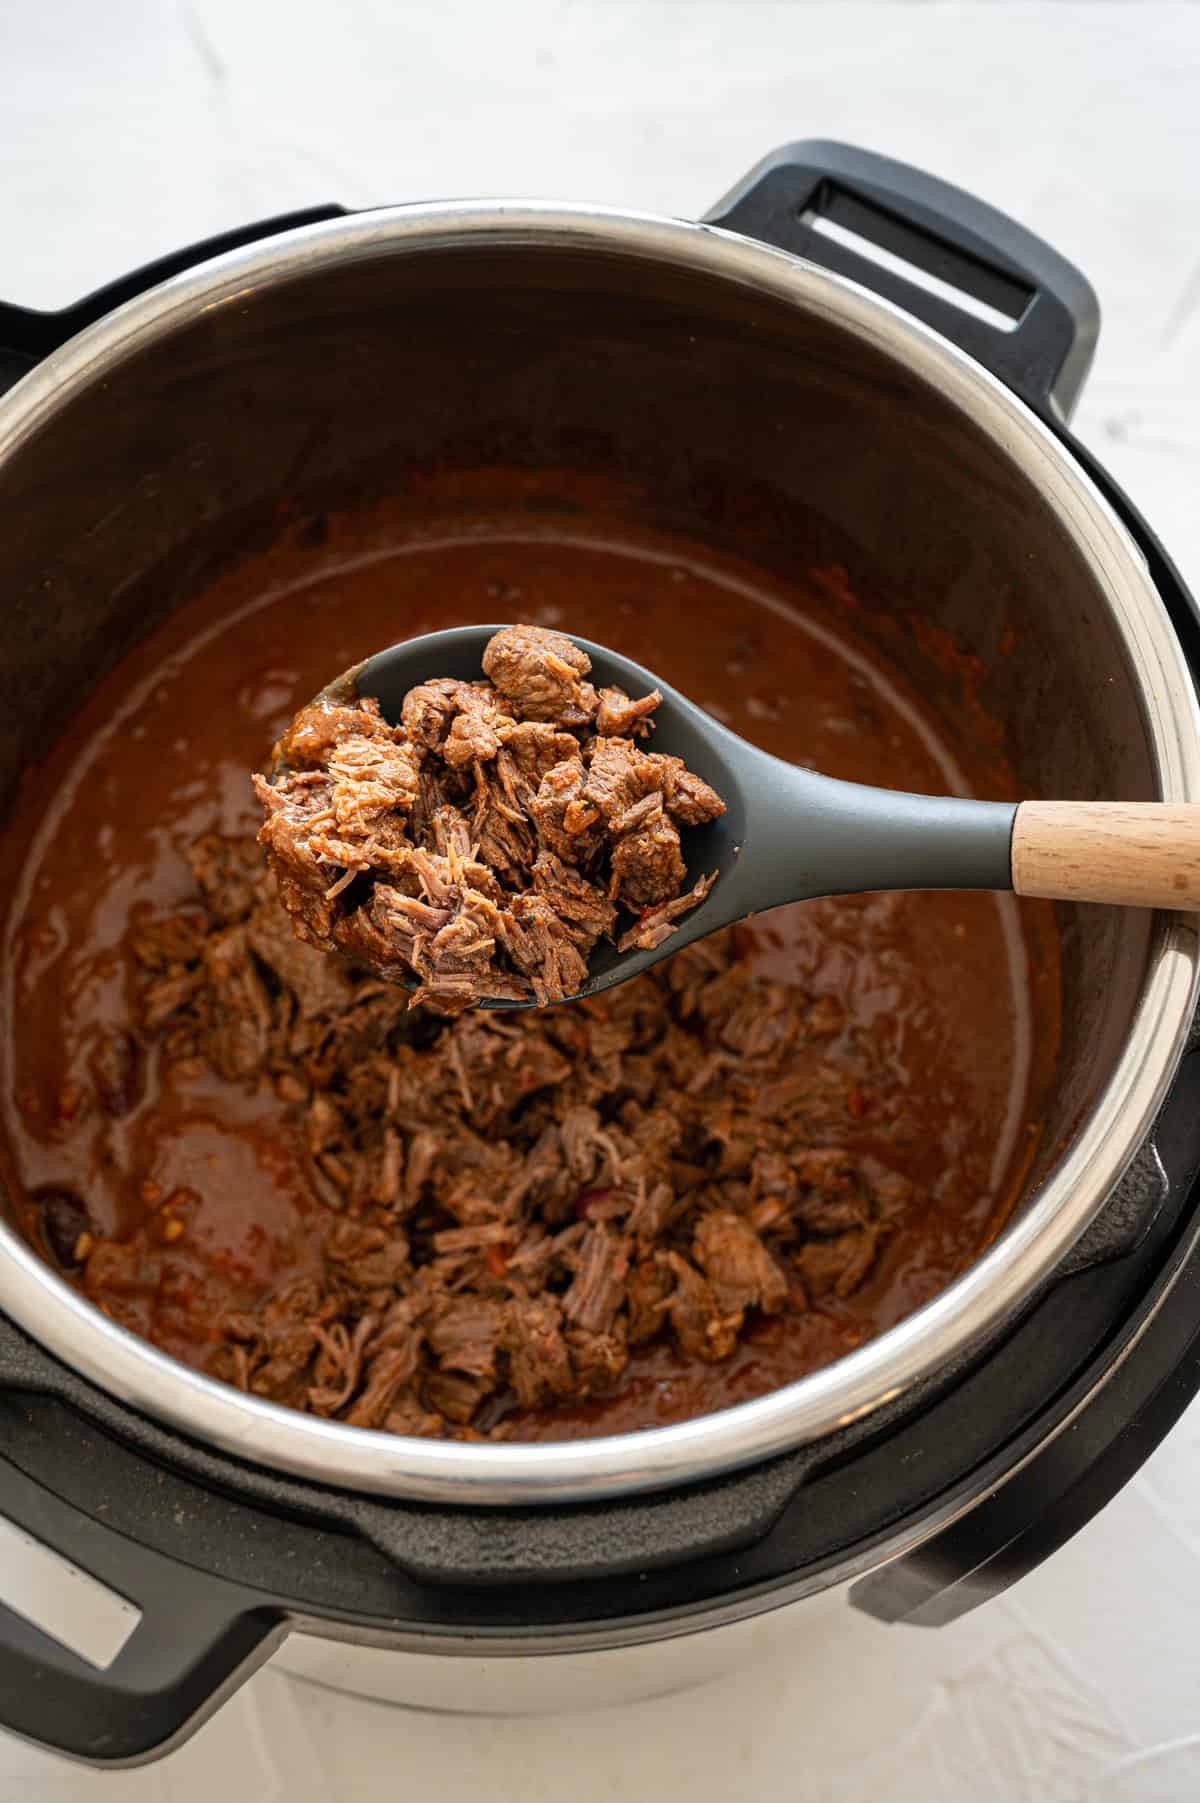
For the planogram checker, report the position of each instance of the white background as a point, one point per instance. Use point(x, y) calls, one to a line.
point(132, 126)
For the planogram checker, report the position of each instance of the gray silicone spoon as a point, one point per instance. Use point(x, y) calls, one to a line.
point(789, 834)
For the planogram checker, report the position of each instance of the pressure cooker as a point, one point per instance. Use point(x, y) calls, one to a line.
point(844, 351)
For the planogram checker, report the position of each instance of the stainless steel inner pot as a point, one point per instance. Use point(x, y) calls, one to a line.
point(740, 395)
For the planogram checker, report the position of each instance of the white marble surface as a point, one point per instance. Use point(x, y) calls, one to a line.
point(136, 125)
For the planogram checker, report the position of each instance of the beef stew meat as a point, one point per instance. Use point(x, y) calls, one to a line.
point(514, 1200)
point(532, 1224)
point(487, 841)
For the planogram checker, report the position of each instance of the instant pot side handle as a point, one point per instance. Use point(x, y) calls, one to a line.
point(26, 335)
point(972, 273)
point(196, 1638)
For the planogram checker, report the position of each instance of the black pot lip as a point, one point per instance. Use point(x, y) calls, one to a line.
point(991, 1289)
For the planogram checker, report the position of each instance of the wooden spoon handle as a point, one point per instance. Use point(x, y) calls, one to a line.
point(1137, 854)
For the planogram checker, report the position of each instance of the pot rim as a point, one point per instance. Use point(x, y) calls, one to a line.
point(267, 1434)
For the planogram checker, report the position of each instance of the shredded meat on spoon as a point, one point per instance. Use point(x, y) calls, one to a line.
point(485, 844)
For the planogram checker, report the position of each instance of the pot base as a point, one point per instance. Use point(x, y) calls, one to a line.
point(551, 1683)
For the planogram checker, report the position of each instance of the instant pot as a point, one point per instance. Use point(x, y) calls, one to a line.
point(845, 362)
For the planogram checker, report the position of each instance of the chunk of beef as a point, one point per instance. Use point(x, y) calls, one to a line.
point(618, 776)
point(585, 912)
point(318, 729)
point(466, 1337)
point(409, 1415)
point(455, 1396)
point(839, 1265)
point(539, 1363)
point(647, 866)
point(320, 985)
point(542, 949)
point(474, 737)
point(648, 1290)
point(588, 1150)
point(688, 799)
point(658, 923)
point(372, 778)
point(427, 712)
point(503, 835)
point(654, 1208)
point(338, 1366)
point(598, 1291)
point(703, 1329)
point(388, 1382)
point(597, 1359)
point(241, 1023)
point(301, 877)
point(537, 670)
point(738, 1266)
point(762, 1027)
point(619, 717)
point(229, 874)
point(168, 956)
point(567, 822)
point(278, 1341)
point(367, 1255)
point(450, 931)
point(532, 748)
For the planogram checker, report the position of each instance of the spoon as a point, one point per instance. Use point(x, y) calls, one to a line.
point(789, 834)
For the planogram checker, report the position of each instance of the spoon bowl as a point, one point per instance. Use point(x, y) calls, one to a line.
point(787, 834)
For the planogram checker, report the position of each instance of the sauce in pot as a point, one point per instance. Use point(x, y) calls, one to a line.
point(958, 993)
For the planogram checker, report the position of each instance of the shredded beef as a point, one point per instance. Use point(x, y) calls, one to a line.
point(742, 1272)
point(485, 844)
point(512, 1201)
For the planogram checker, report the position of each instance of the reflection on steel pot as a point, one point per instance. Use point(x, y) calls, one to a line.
point(719, 378)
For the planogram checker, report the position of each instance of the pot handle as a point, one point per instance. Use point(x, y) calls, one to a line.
point(26, 335)
point(994, 289)
point(196, 1639)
